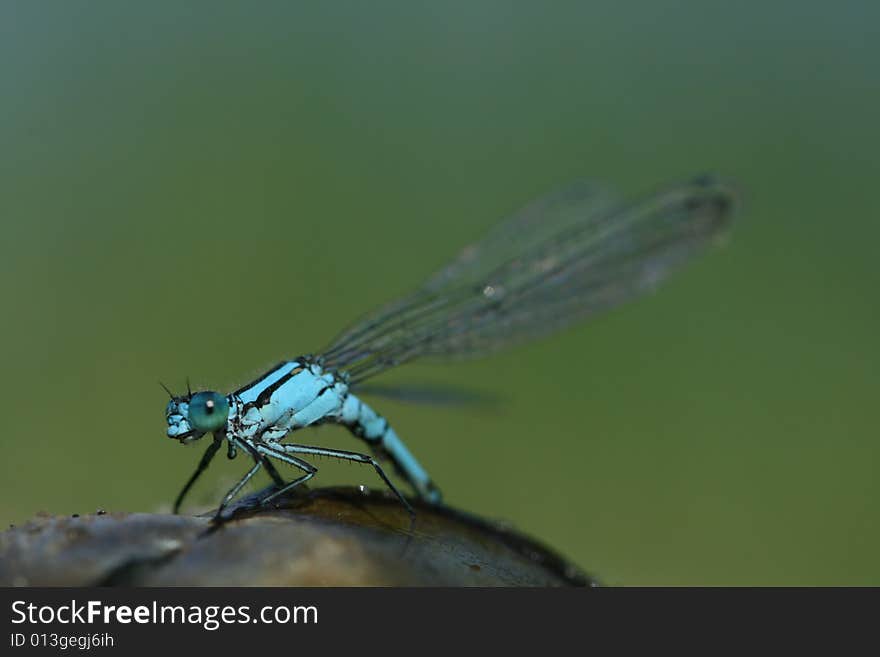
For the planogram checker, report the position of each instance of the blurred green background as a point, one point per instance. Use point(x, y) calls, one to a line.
point(203, 190)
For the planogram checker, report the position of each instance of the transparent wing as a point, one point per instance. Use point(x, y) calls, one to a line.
point(430, 394)
point(563, 258)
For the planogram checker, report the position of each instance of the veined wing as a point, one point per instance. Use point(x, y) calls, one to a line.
point(560, 260)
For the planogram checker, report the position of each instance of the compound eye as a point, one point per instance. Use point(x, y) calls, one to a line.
point(208, 411)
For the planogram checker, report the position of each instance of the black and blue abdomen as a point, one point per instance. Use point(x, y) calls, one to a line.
point(365, 423)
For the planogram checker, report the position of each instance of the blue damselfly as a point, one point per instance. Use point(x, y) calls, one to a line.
point(562, 259)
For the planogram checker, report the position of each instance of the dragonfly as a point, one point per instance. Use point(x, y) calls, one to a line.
point(564, 258)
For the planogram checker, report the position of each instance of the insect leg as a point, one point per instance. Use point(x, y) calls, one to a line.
point(203, 464)
point(310, 470)
point(350, 456)
point(235, 489)
point(277, 479)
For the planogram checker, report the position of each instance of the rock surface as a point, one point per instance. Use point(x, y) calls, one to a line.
point(324, 537)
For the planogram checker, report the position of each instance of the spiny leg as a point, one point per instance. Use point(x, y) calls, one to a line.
point(350, 456)
point(203, 464)
point(259, 459)
point(235, 489)
point(277, 479)
point(310, 470)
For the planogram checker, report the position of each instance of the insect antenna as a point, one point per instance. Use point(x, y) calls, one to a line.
point(165, 388)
